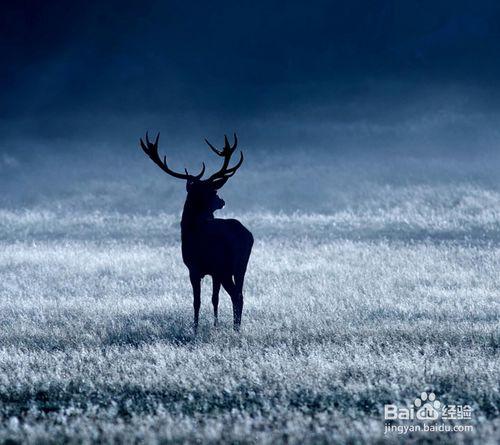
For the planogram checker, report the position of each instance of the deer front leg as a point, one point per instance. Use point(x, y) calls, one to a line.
point(238, 306)
point(215, 298)
point(196, 283)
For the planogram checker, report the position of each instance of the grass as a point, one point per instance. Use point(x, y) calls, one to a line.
point(344, 312)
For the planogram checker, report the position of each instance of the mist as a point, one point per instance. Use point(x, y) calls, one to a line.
point(312, 161)
point(328, 101)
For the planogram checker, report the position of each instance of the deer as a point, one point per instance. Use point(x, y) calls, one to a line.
point(211, 246)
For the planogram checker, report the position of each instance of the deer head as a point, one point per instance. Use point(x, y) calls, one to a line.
point(202, 193)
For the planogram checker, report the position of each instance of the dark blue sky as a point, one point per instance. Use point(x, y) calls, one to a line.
point(239, 60)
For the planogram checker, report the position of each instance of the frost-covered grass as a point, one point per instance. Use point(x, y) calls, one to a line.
point(366, 286)
point(96, 341)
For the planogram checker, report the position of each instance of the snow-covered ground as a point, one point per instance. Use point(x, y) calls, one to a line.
point(370, 282)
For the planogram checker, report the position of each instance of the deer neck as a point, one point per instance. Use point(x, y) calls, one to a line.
point(193, 219)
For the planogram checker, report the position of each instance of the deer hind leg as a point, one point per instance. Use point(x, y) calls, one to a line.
point(196, 283)
point(237, 300)
point(215, 297)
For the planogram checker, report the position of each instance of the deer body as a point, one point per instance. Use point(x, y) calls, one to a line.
point(211, 246)
point(216, 247)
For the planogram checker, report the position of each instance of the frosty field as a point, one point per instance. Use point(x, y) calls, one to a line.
point(360, 293)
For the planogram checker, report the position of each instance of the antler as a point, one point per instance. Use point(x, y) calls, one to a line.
point(219, 178)
point(151, 149)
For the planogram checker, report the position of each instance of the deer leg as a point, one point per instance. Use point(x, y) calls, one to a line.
point(215, 297)
point(231, 290)
point(238, 280)
point(196, 283)
point(237, 311)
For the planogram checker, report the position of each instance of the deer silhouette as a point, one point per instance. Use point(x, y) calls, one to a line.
point(210, 246)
